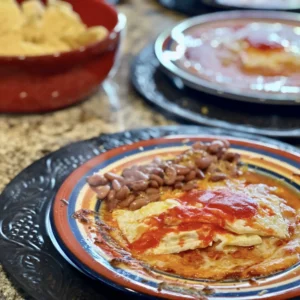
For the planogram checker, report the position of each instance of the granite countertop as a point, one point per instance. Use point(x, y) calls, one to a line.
point(115, 107)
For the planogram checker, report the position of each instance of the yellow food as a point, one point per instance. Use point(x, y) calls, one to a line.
point(33, 29)
point(131, 222)
point(237, 232)
point(161, 235)
point(269, 63)
point(11, 17)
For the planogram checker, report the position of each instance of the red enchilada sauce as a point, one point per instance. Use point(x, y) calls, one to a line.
point(217, 206)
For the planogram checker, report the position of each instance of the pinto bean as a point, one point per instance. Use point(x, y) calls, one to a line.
point(199, 146)
point(151, 169)
point(180, 178)
point(116, 185)
point(190, 176)
point(151, 191)
point(231, 157)
point(129, 180)
point(138, 203)
point(218, 177)
point(103, 191)
point(154, 197)
point(163, 165)
point(138, 175)
point(235, 171)
point(226, 143)
point(139, 185)
point(181, 170)
point(178, 185)
point(123, 193)
point(111, 195)
point(111, 205)
point(199, 174)
point(127, 201)
point(111, 176)
point(153, 184)
point(127, 172)
point(170, 175)
point(157, 171)
point(215, 147)
point(190, 185)
point(158, 179)
point(204, 162)
point(96, 180)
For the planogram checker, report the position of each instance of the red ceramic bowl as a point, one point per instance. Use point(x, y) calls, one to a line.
point(49, 82)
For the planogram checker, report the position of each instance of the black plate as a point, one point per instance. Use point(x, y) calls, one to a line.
point(189, 7)
point(175, 99)
point(27, 252)
point(197, 7)
point(272, 6)
point(113, 2)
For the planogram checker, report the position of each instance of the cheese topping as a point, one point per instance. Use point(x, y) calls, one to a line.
point(240, 217)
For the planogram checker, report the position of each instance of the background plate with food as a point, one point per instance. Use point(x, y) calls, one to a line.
point(185, 217)
point(242, 55)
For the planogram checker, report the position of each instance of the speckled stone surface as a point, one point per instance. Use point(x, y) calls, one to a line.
point(115, 107)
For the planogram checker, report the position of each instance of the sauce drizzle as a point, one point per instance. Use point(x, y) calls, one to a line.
point(208, 217)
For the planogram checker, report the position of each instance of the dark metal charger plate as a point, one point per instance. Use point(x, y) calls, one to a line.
point(189, 7)
point(290, 5)
point(171, 45)
point(113, 2)
point(175, 99)
point(198, 7)
point(27, 252)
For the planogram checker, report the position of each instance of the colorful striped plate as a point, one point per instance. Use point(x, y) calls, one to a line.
point(76, 241)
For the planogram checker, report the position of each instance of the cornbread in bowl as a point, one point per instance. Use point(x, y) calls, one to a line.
point(44, 82)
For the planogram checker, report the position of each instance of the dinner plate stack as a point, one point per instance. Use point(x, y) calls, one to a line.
point(255, 4)
point(199, 53)
point(232, 69)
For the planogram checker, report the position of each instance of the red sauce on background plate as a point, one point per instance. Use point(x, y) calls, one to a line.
point(213, 52)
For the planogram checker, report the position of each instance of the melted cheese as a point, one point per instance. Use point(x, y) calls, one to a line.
point(132, 224)
point(189, 240)
point(241, 232)
point(236, 240)
point(269, 220)
point(269, 62)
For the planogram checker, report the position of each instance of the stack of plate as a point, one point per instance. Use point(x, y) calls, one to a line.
point(255, 4)
point(187, 57)
point(196, 7)
point(202, 83)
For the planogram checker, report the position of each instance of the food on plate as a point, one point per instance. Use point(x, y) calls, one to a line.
point(264, 49)
point(139, 185)
point(262, 55)
point(33, 28)
point(201, 214)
